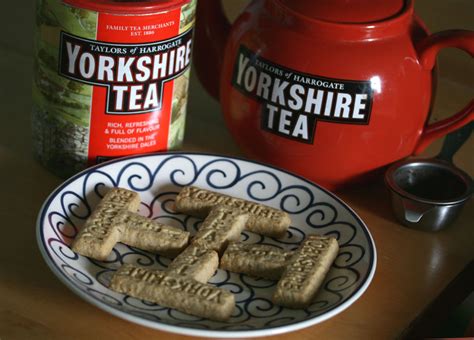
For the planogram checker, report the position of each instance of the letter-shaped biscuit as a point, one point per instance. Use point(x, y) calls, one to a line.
point(100, 232)
point(195, 262)
point(262, 219)
point(220, 227)
point(147, 234)
point(257, 260)
point(174, 291)
point(306, 272)
point(114, 220)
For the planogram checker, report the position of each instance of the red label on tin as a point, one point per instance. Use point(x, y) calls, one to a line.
point(131, 65)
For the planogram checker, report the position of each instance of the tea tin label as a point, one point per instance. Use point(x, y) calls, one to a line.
point(109, 85)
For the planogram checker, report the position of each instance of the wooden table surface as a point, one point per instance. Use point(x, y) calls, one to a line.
point(413, 267)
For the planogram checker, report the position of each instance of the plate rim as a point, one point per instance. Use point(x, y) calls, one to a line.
point(184, 330)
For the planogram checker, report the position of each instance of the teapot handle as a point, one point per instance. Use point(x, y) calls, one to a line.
point(428, 50)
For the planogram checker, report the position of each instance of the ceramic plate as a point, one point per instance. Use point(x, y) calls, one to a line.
point(158, 178)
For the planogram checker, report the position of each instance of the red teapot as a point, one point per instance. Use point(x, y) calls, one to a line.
point(330, 89)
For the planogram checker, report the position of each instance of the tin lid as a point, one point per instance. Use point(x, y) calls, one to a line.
point(347, 11)
point(125, 7)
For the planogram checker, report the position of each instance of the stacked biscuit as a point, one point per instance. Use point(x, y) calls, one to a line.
point(183, 285)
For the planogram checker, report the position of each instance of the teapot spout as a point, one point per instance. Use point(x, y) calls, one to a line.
point(212, 30)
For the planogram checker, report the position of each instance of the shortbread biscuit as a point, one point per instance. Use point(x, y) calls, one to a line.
point(195, 262)
point(262, 219)
point(257, 260)
point(174, 291)
point(306, 272)
point(220, 227)
point(147, 234)
point(100, 233)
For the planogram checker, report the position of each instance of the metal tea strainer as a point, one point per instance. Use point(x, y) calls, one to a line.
point(428, 194)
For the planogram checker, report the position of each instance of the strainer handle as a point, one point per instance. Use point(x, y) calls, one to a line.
point(454, 141)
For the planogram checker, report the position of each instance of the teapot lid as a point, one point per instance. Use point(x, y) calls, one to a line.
point(347, 11)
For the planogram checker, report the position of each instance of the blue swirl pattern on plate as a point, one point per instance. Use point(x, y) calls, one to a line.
point(158, 179)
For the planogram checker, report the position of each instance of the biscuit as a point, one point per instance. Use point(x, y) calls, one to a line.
point(195, 262)
point(100, 233)
point(147, 234)
point(174, 291)
point(262, 219)
point(257, 260)
point(114, 220)
point(306, 272)
point(221, 226)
